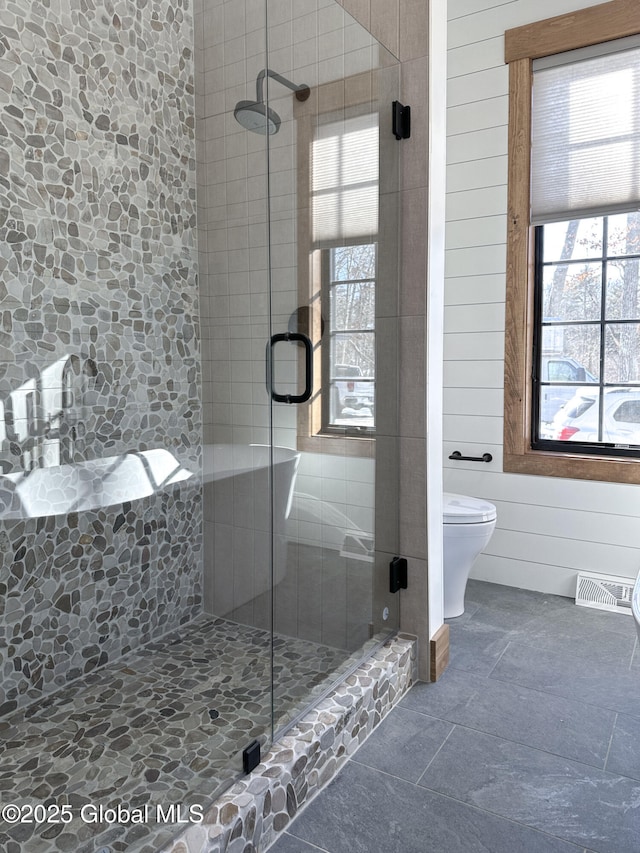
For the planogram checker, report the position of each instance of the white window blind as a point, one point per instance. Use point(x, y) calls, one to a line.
point(344, 182)
point(585, 155)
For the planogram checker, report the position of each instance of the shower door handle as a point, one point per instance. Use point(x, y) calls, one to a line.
point(308, 364)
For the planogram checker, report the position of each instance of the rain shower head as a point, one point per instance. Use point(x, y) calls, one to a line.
point(256, 116)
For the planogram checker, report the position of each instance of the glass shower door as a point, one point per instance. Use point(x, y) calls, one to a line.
point(332, 355)
point(299, 283)
point(235, 308)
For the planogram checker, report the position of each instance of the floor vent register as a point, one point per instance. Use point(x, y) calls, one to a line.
point(604, 592)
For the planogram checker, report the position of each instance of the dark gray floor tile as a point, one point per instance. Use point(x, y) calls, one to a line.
point(624, 754)
point(476, 647)
point(509, 598)
point(403, 744)
point(577, 677)
point(581, 804)
point(501, 606)
point(552, 723)
point(448, 696)
point(605, 637)
point(289, 844)
point(533, 689)
point(366, 811)
point(470, 608)
point(620, 622)
point(495, 617)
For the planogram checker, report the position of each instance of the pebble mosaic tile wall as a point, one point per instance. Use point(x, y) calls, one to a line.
point(249, 817)
point(99, 338)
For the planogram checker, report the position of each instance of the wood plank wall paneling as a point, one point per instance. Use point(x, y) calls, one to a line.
point(548, 528)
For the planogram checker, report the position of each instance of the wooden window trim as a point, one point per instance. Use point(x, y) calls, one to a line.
point(595, 25)
point(606, 22)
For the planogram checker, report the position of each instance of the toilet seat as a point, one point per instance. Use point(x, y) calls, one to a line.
point(461, 509)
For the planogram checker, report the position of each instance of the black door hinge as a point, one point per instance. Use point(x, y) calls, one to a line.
point(397, 574)
point(251, 756)
point(401, 122)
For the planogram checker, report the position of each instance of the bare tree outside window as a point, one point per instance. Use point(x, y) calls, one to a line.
point(350, 309)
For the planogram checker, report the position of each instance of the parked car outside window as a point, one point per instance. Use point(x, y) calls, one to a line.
point(578, 420)
point(559, 368)
point(353, 391)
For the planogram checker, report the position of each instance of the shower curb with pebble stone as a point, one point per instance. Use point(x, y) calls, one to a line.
point(257, 808)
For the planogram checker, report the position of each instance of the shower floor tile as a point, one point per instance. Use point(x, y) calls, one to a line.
point(166, 725)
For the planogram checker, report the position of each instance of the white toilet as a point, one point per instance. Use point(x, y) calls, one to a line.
point(468, 525)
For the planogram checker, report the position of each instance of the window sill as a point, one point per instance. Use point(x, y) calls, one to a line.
point(573, 466)
point(340, 445)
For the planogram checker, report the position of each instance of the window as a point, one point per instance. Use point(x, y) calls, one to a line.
point(348, 295)
point(340, 223)
point(572, 345)
point(587, 334)
point(344, 217)
point(344, 177)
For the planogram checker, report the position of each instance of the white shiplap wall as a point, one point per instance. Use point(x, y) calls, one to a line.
point(548, 528)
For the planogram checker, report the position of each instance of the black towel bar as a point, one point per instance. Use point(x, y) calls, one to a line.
point(486, 457)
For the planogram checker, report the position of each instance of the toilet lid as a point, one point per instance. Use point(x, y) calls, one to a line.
point(461, 509)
